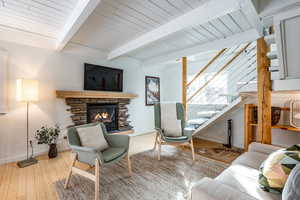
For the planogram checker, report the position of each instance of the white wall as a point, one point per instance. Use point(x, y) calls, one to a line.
point(3, 77)
point(171, 84)
point(60, 71)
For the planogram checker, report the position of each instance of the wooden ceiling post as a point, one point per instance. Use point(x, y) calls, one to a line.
point(263, 93)
point(184, 82)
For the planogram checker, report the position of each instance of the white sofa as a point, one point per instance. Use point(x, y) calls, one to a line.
point(239, 181)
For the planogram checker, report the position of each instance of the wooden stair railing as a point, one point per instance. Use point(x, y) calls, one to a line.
point(206, 66)
point(220, 70)
point(185, 85)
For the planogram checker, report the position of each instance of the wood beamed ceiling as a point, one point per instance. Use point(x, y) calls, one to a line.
point(108, 25)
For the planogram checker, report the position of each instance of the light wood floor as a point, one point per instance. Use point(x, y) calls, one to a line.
point(36, 182)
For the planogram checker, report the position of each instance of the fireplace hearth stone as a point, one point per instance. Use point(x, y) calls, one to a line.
point(79, 110)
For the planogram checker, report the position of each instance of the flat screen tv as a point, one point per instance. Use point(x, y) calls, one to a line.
point(102, 78)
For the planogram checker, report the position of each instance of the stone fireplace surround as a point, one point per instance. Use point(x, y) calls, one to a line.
point(78, 102)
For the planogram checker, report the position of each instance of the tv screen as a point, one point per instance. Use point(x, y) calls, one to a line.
point(102, 78)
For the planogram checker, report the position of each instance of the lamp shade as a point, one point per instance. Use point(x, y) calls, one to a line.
point(27, 90)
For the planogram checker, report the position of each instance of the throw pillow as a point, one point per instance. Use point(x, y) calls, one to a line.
point(170, 124)
point(291, 189)
point(295, 147)
point(92, 136)
point(275, 170)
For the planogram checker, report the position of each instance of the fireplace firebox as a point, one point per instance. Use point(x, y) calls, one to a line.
point(106, 113)
point(113, 112)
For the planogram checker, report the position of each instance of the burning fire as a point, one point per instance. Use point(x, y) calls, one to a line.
point(100, 116)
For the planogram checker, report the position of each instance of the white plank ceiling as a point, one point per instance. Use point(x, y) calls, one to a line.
point(43, 17)
point(220, 28)
point(116, 22)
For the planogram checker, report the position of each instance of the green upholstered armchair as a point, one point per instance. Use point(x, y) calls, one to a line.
point(117, 150)
point(185, 133)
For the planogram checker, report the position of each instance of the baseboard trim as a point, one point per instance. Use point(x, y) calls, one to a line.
point(218, 141)
point(210, 139)
point(42, 151)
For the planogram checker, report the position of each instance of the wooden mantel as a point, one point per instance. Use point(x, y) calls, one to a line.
point(94, 94)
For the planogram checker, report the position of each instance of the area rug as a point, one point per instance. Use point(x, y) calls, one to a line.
point(222, 154)
point(171, 178)
point(215, 150)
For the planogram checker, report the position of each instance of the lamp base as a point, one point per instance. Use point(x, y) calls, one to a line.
point(27, 162)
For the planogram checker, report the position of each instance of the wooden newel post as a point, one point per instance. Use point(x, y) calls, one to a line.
point(184, 82)
point(263, 93)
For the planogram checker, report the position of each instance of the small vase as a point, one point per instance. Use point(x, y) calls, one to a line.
point(52, 151)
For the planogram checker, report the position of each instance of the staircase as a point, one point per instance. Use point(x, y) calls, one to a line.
point(215, 89)
point(272, 55)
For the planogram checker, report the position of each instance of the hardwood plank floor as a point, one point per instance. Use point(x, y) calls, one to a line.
point(36, 182)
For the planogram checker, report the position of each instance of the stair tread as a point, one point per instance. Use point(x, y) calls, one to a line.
point(273, 69)
point(210, 121)
point(228, 95)
point(272, 55)
point(270, 39)
point(207, 107)
point(197, 121)
point(207, 112)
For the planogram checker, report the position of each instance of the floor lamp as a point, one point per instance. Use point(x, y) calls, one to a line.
point(27, 91)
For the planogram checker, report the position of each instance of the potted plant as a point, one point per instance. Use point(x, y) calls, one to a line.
point(48, 136)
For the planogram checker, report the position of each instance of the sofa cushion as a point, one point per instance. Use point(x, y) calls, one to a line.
point(112, 153)
point(210, 189)
point(262, 148)
point(244, 179)
point(291, 189)
point(251, 159)
point(92, 136)
point(275, 170)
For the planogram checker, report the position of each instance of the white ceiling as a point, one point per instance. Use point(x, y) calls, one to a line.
point(148, 30)
point(43, 17)
point(216, 29)
point(115, 22)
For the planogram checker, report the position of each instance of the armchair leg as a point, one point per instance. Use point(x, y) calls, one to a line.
point(129, 165)
point(97, 181)
point(70, 171)
point(159, 149)
point(156, 138)
point(192, 147)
